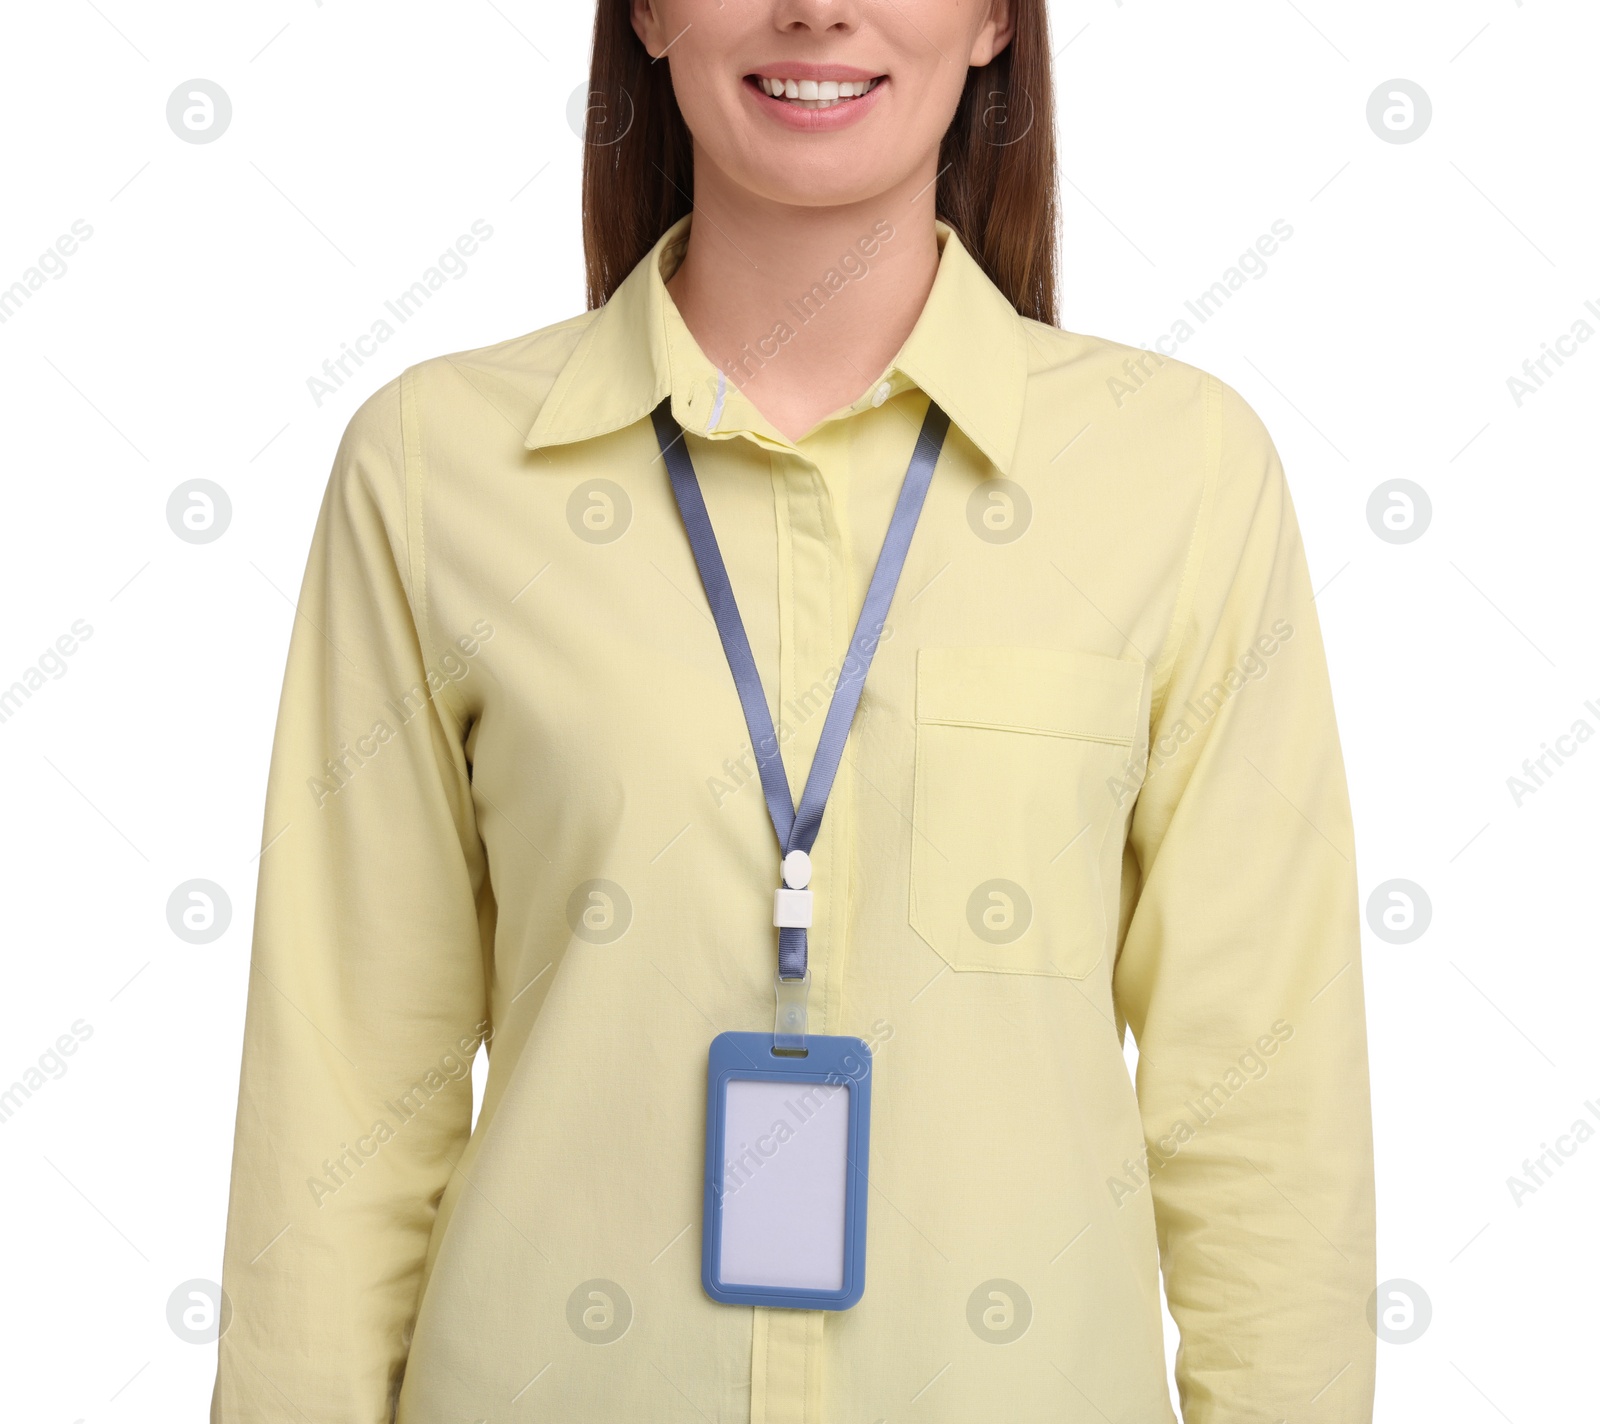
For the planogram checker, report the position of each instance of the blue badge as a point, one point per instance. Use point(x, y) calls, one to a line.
point(786, 1172)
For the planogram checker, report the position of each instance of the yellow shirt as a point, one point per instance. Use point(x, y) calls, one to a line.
point(1094, 784)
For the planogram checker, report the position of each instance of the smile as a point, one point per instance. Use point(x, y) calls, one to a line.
point(814, 93)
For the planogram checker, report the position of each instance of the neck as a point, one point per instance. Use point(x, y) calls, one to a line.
point(803, 307)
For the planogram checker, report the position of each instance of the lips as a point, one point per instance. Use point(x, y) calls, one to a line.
point(809, 98)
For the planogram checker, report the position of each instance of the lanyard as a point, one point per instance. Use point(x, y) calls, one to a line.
point(797, 828)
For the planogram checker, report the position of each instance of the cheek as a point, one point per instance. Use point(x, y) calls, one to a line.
point(705, 109)
point(926, 43)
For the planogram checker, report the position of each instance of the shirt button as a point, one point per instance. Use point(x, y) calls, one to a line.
point(880, 395)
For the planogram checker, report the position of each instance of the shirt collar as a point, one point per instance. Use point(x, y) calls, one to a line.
point(967, 352)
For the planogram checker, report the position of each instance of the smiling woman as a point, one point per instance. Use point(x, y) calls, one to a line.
point(987, 119)
point(817, 475)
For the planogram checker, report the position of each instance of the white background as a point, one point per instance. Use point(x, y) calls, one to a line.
point(367, 137)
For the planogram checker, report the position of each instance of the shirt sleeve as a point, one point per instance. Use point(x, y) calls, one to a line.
point(1240, 974)
point(366, 991)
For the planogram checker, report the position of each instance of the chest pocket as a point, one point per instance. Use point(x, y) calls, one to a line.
point(1019, 755)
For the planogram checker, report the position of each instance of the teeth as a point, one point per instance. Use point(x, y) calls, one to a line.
point(814, 93)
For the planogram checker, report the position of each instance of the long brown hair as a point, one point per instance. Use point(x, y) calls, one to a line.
point(997, 162)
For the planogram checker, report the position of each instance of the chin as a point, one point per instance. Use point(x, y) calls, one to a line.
point(830, 179)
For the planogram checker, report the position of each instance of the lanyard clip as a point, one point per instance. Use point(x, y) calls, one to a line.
point(791, 910)
point(791, 901)
point(789, 1022)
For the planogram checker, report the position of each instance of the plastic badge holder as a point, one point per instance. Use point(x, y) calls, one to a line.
point(786, 1172)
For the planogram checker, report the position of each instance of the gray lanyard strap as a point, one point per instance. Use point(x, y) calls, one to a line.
point(797, 830)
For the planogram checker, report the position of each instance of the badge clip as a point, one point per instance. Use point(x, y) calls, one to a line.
point(789, 1020)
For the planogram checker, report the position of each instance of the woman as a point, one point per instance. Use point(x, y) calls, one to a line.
point(1093, 784)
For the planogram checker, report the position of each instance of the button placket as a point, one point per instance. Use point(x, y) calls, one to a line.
point(787, 1362)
